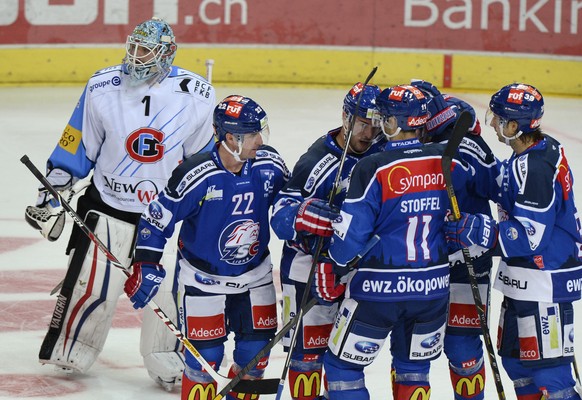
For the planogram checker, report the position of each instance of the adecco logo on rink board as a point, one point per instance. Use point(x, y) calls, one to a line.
point(534, 26)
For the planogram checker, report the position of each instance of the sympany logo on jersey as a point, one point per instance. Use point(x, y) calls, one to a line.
point(239, 242)
point(411, 176)
point(145, 145)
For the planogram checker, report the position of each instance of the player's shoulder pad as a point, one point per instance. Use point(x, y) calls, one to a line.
point(476, 147)
point(267, 153)
point(191, 172)
point(105, 79)
point(189, 83)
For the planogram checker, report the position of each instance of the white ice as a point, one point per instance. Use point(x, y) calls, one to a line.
point(32, 120)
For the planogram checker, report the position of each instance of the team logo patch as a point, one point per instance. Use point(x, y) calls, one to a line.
point(145, 145)
point(511, 233)
point(145, 233)
point(239, 242)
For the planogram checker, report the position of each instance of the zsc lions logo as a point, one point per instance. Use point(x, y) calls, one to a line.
point(239, 242)
point(431, 341)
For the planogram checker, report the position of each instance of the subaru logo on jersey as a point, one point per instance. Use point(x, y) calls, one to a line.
point(367, 347)
point(431, 341)
point(239, 242)
point(145, 145)
point(155, 210)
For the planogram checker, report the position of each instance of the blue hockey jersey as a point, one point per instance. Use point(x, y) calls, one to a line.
point(539, 228)
point(225, 216)
point(313, 177)
point(399, 195)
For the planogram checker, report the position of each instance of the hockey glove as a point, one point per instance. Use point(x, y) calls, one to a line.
point(315, 216)
point(326, 287)
point(143, 283)
point(48, 216)
point(471, 229)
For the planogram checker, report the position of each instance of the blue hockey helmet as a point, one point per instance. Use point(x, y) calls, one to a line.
point(401, 107)
point(150, 50)
point(518, 102)
point(367, 97)
point(239, 116)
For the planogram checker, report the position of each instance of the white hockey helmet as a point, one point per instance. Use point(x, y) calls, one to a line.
point(150, 50)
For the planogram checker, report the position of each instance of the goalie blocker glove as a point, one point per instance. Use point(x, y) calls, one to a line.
point(471, 229)
point(143, 283)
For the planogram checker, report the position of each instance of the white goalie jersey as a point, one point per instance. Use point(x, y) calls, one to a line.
point(134, 136)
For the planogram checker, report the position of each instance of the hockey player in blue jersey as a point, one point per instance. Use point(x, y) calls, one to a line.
point(401, 286)
point(301, 212)
point(223, 199)
point(540, 243)
point(134, 123)
point(463, 345)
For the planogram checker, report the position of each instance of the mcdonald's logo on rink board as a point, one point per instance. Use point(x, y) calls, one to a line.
point(467, 386)
point(202, 392)
point(310, 383)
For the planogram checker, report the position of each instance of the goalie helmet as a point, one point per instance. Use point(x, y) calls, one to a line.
point(367, 97)
point(239, 116)
point(150, 50)
point(402, 107)
point(521, 103)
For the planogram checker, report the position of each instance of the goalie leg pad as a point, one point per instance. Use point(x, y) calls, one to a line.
point(162, 352)
point(87, 301)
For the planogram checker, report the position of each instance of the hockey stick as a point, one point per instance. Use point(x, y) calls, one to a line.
point(288, 326)
point(319, 245)
point(460, 129)
point(209, 65)
point(244, 386)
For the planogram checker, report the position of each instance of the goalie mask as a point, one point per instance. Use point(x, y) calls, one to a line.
point(150, 51)
point(401, 108)
point(517, 102)
point(242, 117)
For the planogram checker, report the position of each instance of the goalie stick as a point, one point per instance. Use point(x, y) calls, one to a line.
point(243, 386)
point(460, 129)
point(371, 243)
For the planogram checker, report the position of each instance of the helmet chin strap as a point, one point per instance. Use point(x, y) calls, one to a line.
point(507, 139)
point(235, 154)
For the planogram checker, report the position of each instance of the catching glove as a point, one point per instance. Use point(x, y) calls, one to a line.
point(143, 283)
point(48, 215)
point(471, 229)
point(315, 216)
point(325, 287)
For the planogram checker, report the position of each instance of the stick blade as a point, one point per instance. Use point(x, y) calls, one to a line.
point(259, 386)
